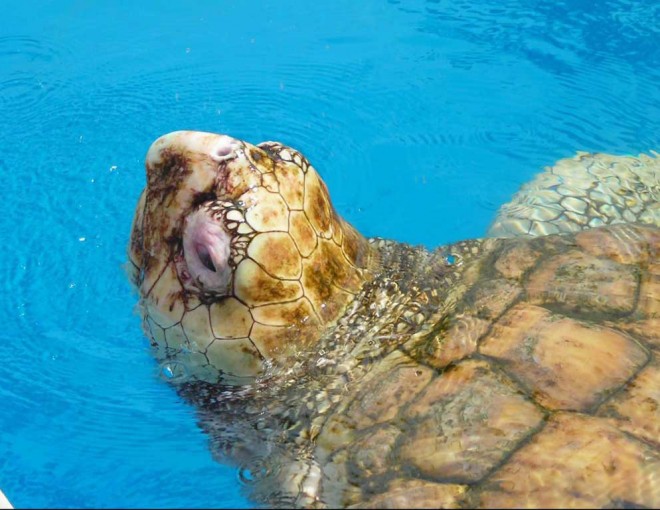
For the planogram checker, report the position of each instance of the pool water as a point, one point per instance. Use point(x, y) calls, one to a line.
point(422, 117)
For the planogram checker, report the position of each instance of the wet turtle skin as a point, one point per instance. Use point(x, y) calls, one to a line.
point(519, 372)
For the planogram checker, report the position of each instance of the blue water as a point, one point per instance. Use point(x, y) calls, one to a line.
point(422, 116)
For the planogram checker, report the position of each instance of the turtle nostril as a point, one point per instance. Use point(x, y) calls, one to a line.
point(204, 256)
point(225, 148)
point(223, 151)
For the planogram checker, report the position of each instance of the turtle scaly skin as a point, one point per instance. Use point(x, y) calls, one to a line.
point(338, 371)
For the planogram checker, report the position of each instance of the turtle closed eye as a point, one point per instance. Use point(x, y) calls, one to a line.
point(206, 251)
point(205, 256)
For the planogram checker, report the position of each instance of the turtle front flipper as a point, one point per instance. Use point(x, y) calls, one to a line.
point(586, 191)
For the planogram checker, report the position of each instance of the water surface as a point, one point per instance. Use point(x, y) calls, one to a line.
point(422, 117)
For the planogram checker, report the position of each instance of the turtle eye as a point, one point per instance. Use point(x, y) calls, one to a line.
point(206, 250)
point(205, 256)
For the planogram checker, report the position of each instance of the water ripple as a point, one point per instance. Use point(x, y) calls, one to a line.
point(31, 74)
point(24, 49)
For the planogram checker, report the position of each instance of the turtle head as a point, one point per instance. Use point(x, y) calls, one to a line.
point(238, 256)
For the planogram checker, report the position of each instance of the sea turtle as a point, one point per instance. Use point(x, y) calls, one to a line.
point(521, 369)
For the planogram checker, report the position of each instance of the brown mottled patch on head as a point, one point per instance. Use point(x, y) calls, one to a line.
point(261, 158)
point(335, 268)
point(317, 204)
point(157, 223)
point(202, 197)
point(328, 301)
point(277, 254)
point(302, 233)
point(174, 169)
point(256, 155)
point(269, 181)
point(355, 246)
point(230, 318)
point(236, 177)
point(286, 314)
point(254, 286)
point(266, 211)
point(317, 287)
point(292, 186)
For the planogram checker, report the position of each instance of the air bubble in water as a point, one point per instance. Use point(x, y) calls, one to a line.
point(173, 371)
point(252, 471)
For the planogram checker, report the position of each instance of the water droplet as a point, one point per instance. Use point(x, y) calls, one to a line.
point(252, 471)
point(245, 476)
point(172, 371)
